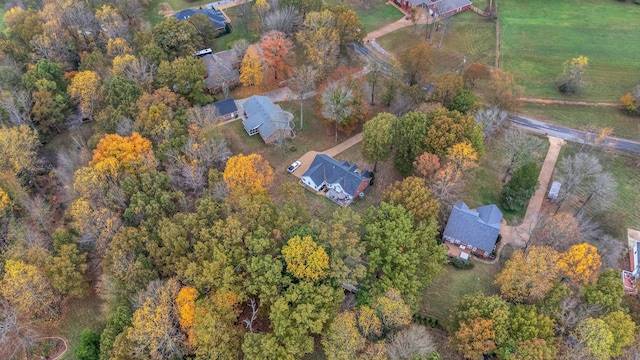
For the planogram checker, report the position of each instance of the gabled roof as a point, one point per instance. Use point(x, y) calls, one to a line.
point(327, 169)
point(220, 68)
point(264, 115)
point(225, 107)
point(446, 6)
point(477, 228)
point(216, 16)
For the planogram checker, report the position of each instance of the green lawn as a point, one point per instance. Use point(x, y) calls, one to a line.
point(441, 296)
point(484, 183)
point(82, 314)
point(581, 117)
point(467, 35)
point(539, 35)
point(176, 5)
point(240, 31)
point(379, 14)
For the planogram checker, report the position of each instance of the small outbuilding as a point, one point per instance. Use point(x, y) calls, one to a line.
point(554, 191)
point(226, 109)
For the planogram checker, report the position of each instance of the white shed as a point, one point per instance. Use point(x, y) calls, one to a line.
point(554, 190)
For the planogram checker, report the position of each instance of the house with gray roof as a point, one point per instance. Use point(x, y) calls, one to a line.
point(476, 230)
point(226, 109)
point(216, 16)
point(342, 181)
point(222, 70)
point(267, 119)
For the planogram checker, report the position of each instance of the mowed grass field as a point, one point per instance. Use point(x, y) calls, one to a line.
point(538, 36)
point(467, 35)
point(379, 13)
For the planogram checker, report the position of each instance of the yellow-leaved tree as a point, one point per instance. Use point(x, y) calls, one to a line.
point(305, 259)
point(86, 90)
point(117, 154)
point(122, 63)
point(475, 338)
point(462, 155)
point(343, 341)
point(6, 204)
point(573, 74)
point(186, 304)
point(250, 174)
point(251, 69)
point(581, 263)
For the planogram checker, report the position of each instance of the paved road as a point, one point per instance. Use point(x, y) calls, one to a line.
point(574, 135)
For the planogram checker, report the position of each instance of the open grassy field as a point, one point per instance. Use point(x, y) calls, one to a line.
point(483, 184)
point(379, 14)
point(625, 211)
point(580, 117)
point(467, 35)
point(441, 296)
point(83, 314)
point(539, 35)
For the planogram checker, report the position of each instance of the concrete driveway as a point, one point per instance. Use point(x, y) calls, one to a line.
point(307, 159)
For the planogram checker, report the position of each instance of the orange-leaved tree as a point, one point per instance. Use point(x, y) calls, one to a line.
point(305, 259)
point(581, 263)
point(475, 338)
point(250, 174)
point(117, 154)
point(276, 50)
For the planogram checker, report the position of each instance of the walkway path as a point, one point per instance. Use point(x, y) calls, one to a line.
point(519, 235)
point(404, 22)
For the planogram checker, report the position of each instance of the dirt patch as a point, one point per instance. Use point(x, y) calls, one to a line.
point(165, 9)
point(48, 348)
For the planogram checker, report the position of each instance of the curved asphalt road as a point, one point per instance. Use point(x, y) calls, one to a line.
point(574, 135)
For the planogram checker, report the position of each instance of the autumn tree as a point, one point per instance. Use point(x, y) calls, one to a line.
point(286, 19)
point(392, 310)
point(581, 263)
point(416, 63)
point(518, 148)
point(250, 174)
point(320, 39)
point(305, 259)
point(86, 90)
point(67, 267)
point(447, 87)
point(622, 328)
point(343, 340)
point(251, 70)
point(155, 330)
point(28, 289)
point(521, 187)
point(377, 137)
point(399, 253)
point(186, 305)
point(413, 195)
point(374, 75)
point(426, 165)
point(558, 231)
point(502, 90)
point(18, 148)
point(341, 237)
point(216, 333)
point(276, 49)
point(474, 72)
point(350, 29)
point(303, 80)
point(176, 38)
point(185, 75)
point(475, 338)
point(337, 103)
point(462, 155)
point(572, 77)
point(631, 101)
point(117, 154)
point(528, 277)
point(369, 323)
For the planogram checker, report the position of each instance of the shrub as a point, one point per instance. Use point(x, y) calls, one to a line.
point(523, 184)
point(461, 264)
point(89, 348)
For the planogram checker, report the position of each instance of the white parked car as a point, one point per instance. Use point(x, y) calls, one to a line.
point(293, 167)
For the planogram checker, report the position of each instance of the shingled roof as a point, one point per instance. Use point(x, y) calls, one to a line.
point(444, 7)
point(331, 171)
point(220, 68)
point(216, 16)
point(225, 107)
point(264, 115)
point(479, 228)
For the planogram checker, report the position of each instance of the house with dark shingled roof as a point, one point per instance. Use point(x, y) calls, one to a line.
point(476, 230)
point(342, 180)
point(216, 16)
